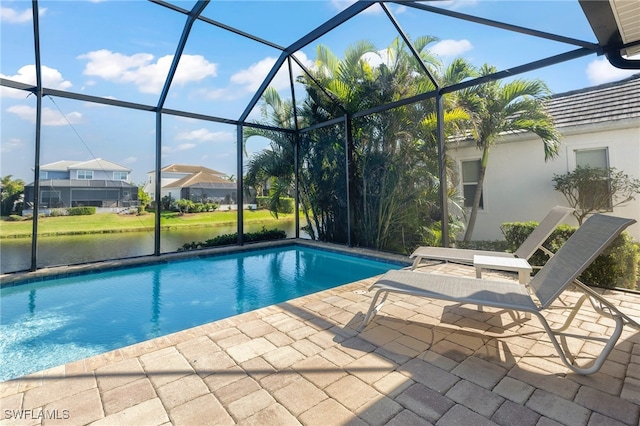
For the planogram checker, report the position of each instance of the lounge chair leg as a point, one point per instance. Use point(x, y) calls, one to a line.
point(572, 315)
point(568, 359)
point(374, 307)
point(416, 262)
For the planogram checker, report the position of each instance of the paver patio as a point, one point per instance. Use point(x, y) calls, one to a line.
point(419, 362)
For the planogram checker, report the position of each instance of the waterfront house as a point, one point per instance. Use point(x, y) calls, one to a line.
point(98, 183)
point(195, 183)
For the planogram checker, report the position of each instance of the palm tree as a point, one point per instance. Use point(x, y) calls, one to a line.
point(275, 165)
point(394, 178)
point(498, 109)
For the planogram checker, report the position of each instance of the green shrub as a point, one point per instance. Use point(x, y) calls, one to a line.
point(82, 211)
point(284, 205)
point(58, 212)
point(228, 239)
point(18, 218)
point(496, 245)
point(618, 266)
point(287, 205)
point(263, 202)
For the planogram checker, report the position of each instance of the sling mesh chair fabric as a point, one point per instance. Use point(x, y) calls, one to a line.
point(559, 273)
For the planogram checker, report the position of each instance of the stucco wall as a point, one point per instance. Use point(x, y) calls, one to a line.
point(518, 183)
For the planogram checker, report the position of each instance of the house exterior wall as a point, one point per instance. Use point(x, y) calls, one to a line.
point(518, 183)
point(102, 188)
point(97, 174)
point(166, 178)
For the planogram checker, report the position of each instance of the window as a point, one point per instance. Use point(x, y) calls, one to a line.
point(470, 173)
point(85, 174)
point(596, 195)
point(593, 158)
point(44, 174)
point(120, 175)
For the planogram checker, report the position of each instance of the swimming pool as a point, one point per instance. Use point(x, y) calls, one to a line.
point(53, 322)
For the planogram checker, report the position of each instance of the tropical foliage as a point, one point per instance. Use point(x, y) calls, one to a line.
point(228, 239)
point(391, 181)
point(500, 108)
point(12, 190)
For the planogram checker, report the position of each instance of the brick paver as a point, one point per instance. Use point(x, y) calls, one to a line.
point(420, 362)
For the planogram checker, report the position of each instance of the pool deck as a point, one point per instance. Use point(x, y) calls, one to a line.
point(419, 362)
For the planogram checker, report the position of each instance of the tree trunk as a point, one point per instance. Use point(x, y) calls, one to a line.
point(476, 197)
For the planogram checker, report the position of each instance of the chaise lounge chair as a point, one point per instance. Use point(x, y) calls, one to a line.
point(560, 272)
point(529, 246)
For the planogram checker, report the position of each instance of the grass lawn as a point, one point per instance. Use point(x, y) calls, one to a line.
point(107, 222)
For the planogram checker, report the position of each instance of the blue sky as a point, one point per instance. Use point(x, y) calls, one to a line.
point(122, 50)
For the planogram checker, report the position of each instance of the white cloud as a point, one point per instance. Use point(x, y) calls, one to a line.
point(51, 78)
point(451, 47)
point(193, 138)
point(178, 148)
point(7, 92)
point(140, 69)
point(50, 117)
point(601, 71)
point(204, 135)
point(226, 93)
point(14, 16)
point(12, 145)
point(375, 59)
point(130, 160)
point(252, 77)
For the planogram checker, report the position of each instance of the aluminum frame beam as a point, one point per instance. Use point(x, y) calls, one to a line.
point(610, 47)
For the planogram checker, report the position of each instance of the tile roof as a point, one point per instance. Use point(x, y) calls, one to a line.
point(598, 104)
point(200, 178)
point(95, 164)
point(185, 168)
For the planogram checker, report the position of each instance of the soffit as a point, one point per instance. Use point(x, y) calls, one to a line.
point(627, 16)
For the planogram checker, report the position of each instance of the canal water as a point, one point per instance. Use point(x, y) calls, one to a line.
point(15, 253)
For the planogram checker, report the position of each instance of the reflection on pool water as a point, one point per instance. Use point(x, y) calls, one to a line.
point(57, 321)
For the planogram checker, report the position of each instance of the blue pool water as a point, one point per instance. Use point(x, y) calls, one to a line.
point(57, 321)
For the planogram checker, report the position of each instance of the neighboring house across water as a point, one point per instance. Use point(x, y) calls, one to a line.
point(600, 127)
point(98, 183)
point(195, 183)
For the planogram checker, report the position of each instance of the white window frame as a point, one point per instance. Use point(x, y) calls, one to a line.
point(84, 174)
point(125, 174)
point(605, 148)
point(600, 148)
point(483, 199)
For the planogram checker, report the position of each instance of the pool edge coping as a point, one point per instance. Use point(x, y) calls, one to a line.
point(48, 273)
